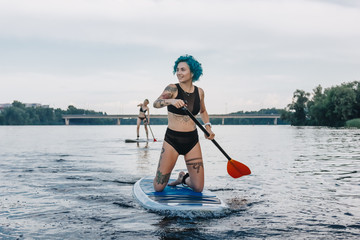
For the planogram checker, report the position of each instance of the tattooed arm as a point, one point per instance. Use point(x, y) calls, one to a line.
point(167, 97)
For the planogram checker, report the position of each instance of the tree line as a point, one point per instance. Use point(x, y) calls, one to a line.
point(336, 106)
point(19, 114)
point(333, 107)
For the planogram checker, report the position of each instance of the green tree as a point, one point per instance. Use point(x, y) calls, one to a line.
point(73, 110)
point(340, 105)
point(317, 108)
point(355, 86)
point(18, 104)
point(2, 119)
point(331, 107)
point(15, 116)
point(297, 113)
point(34, 118)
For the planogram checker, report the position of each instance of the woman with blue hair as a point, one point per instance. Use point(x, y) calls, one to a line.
point(181, 137)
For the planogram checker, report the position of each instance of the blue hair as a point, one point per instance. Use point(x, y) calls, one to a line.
point(195, 66)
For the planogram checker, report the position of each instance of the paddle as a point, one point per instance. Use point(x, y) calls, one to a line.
point(234, 168)
point(147, 121)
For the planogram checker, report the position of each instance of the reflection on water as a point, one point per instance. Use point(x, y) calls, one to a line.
point(75, 182)
point(143, 157)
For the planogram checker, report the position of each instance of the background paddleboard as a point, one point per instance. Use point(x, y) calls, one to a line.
point(176, 199)
point(135, 140)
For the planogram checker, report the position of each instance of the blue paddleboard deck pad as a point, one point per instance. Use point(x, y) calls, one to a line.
point(177, 200)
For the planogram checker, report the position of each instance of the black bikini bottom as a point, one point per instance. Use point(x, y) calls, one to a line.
point(182, 142)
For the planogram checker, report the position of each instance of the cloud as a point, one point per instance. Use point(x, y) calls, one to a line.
point(255, 53)
point(173, 22)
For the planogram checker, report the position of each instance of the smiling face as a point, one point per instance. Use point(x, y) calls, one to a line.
point(183, 72)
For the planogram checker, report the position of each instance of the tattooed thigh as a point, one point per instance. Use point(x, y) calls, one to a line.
point(161, 156)
point(196, 163)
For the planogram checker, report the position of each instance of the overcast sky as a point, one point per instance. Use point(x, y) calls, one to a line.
point(109, 55)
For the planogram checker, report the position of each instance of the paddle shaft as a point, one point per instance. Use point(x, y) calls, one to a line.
point(150, 127)
point(206, 132)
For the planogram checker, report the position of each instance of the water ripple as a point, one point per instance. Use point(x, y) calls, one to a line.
point(76, 183)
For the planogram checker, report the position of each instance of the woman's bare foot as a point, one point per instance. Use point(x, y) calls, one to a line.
point(178, 180)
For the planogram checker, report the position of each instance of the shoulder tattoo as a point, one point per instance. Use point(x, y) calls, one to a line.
point(171, 89)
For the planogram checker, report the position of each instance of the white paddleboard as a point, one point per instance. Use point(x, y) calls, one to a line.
point(176, 199)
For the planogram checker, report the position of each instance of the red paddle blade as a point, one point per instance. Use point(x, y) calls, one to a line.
point(237, 169)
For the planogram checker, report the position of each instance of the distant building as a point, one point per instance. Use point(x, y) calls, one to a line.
point(4, 105)
point(33, 105)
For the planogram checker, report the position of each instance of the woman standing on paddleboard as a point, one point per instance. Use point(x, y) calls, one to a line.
point(143, 118)
point(181, 136)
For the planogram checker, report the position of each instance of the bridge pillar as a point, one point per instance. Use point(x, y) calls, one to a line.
point(118, 121)
point(222, 121)
point(275, 121)
point(67, 121)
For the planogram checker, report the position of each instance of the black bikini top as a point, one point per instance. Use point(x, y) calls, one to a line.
point(141, 110)
point(193, 101)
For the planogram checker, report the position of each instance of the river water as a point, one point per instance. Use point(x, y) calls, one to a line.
point(75, 182)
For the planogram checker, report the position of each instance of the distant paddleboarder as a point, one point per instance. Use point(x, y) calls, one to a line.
point(144, 116)
point(181, 137)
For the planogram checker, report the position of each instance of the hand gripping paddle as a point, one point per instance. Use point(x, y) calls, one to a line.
point(234, 168)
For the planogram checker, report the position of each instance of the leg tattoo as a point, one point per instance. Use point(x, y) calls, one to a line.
point(162, 178)
point(195, 165)
point(161, 154)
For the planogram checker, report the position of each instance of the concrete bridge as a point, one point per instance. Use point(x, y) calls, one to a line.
point(152, 116)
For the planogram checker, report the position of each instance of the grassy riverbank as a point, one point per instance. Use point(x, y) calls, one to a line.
point(353, 123)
